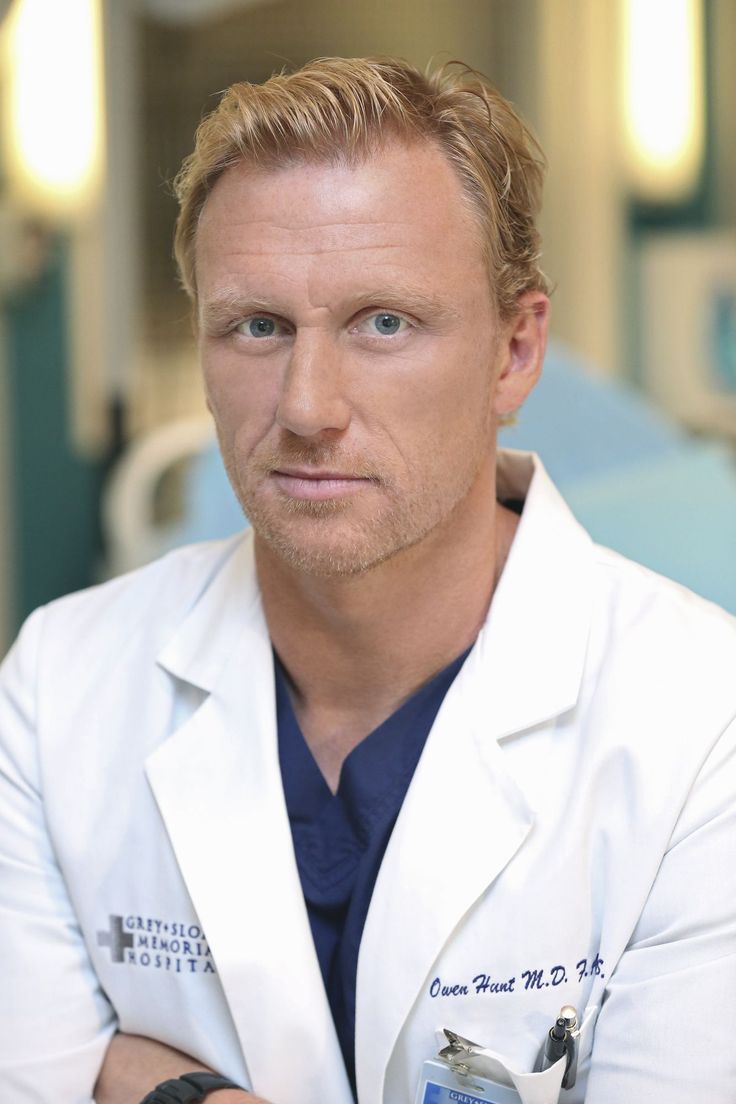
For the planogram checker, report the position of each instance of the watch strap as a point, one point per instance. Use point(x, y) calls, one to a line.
point(190, 1088)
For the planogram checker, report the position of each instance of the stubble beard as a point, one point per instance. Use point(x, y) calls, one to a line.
point(297, 529)
point(353, 550)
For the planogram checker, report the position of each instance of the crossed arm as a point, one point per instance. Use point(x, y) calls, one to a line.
point(134, 1065)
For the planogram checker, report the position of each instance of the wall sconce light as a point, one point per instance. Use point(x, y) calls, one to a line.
point(664, 109)
point(54, 130)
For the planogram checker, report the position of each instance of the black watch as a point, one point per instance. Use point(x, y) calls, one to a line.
point(190, 1088)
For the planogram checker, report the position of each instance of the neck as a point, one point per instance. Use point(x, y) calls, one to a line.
point(356, 647)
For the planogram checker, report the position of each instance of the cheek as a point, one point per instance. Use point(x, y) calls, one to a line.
point(444, 397)
point(242, 400)
point(430, 424)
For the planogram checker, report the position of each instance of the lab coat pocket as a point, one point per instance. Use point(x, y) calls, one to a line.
point(540, 1088)
point(494, 1079)
point(490, 1081)
point(546, 1087)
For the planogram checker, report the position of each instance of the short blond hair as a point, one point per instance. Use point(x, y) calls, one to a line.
point(338, 109)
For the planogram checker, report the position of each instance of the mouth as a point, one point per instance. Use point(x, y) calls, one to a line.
point(317, 484)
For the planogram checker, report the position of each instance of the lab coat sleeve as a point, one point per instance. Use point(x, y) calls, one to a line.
point(56, 1022)
point(667, 1027)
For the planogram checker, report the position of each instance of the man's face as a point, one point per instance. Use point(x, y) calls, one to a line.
point(350, 350)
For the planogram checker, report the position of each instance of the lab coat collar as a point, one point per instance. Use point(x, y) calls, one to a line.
point(229, 605)
point(533, 644)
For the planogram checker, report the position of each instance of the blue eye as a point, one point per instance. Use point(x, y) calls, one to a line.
point(261, 327)
point(386, 323)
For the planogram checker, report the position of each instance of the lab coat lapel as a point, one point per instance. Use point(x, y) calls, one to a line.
point(218, 787)
point(463, 820)
point(465, 816)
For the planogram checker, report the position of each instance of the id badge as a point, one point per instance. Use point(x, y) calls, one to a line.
point(440, 1084)
point(466, 1073)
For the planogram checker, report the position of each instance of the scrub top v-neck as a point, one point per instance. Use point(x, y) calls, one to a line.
point(340, 839)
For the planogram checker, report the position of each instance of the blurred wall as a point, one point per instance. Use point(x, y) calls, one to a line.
point(724, 121)
point(6, 566)
point(583, 220)
point(55, 488)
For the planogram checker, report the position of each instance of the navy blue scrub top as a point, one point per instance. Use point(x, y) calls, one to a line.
point(339, 839)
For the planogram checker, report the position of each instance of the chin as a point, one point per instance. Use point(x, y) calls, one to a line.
point(328, 540)
point(327, 559)
point(347, 551)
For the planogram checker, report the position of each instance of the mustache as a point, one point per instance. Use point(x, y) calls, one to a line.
point(317, 456)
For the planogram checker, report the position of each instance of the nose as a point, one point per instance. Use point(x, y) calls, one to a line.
point(311, 402)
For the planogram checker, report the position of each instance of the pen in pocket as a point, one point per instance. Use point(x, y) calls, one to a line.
point(562, 1042)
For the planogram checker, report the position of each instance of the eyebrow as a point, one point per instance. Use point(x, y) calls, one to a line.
point(225, 307)
point(409, 300)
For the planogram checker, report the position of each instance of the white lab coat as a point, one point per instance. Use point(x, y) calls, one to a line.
point(572, 813)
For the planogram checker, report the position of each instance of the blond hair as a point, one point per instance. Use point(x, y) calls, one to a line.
point(343, 109)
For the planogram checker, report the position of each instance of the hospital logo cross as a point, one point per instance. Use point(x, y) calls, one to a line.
point(116, 939)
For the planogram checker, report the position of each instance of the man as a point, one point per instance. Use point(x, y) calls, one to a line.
point(415, 754)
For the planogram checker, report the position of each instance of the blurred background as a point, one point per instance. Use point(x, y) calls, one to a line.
point(106, 453)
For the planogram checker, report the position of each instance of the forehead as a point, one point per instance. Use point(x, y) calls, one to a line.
point(401, 208)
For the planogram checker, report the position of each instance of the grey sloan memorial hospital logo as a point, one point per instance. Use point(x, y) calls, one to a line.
point(154, 944)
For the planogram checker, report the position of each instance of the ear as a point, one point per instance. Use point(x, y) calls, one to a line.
point(522, 352)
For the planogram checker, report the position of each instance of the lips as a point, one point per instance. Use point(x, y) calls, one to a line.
point(315, 473)
point(317, 484)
